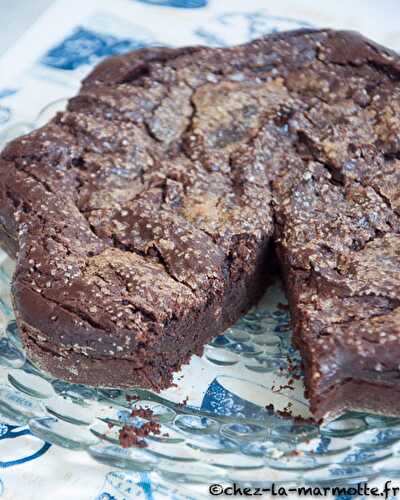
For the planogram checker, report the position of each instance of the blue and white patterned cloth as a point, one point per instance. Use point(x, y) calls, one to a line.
point(45, 65)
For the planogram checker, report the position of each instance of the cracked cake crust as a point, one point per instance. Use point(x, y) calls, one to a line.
point(142, 217)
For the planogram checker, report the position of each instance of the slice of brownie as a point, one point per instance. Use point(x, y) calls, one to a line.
point(142, 217)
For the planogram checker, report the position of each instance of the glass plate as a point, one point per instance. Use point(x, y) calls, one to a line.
point(216, 422)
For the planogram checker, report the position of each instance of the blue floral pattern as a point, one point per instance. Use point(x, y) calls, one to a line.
point(86, 47)
point(136, 486)
point(221, 401)
point(5, 111)
point(181, 4)
point(7, 92)
point(13, 432)
point(250, 25)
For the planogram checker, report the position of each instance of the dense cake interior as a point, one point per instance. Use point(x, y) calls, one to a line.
point(144, 214)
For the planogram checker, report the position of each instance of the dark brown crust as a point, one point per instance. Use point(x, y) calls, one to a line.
point(143, 214)
point(158, 371)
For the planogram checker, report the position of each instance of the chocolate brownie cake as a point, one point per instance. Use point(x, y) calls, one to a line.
point(146, 217)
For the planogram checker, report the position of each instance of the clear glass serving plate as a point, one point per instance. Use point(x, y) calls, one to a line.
point(217, 424)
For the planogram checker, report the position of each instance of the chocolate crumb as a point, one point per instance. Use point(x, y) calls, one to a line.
point(131, 436)
point(132, 397)
point(146, 413)
point(128, 438)
point(184, 402)
point(283, 307)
